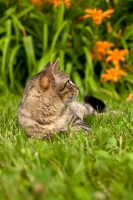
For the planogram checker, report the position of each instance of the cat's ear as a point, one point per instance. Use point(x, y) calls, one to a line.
point(56, 64)
point(47, 76)
point(46, 66)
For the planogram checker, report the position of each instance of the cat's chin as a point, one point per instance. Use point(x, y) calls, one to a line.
point(70, 100)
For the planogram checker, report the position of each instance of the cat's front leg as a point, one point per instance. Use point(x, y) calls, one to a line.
point(77, 124)
point(81, 126)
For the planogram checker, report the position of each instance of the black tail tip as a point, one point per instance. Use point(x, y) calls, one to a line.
point(96, 103)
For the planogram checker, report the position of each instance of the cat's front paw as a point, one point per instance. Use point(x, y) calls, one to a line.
point(85, 128)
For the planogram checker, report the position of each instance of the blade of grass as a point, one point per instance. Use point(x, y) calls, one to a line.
point(62, 54)
point(12, 59)
point(45, 37)
point(65, 36)
point(5, 55)
point(117, 24)
point(128, 33)
point(30, 54)
point(25, 11)
point(77, 80)
point(68, 68)
point(14, 18)
point(89, 72)
point(8, 27)
point(48, 56)
point(57, 34)
point(59, 16)
point(10, 11)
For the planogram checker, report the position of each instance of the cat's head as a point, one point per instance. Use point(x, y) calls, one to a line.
point(53, 79)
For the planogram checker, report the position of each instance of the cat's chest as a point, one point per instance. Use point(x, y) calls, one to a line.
point(55, 123)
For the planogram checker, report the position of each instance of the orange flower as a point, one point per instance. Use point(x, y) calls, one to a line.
point(100, 49)
point(98, 15)
point(37, 2)
point(130, 97)
point(56, 3)
point(116, 55)
point(113, 74)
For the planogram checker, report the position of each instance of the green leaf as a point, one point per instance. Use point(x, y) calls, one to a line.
point(8, 27)
point(57, 34)
point(68, 68)
point(48, 56)
point(88, 28)
point(90, 83)
point(11, 10)
point(45, 37)
point(62, 54)
point(12, 59)
point(128, 33)
point(5, 55)
point(59, 16)
point(17, 22)
point(17, 31)
point(117, 24)
point(25, 11)
point(2, 29)
point(30, 54)
point(90, 67)
point(78, 81)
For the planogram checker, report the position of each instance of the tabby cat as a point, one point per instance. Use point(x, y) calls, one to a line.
point(48, 104)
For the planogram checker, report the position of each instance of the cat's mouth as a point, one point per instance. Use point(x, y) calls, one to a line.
point(75, 93)
point(73, 97)
point(70, 99)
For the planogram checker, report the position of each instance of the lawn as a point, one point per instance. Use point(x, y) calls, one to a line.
point(76, 166)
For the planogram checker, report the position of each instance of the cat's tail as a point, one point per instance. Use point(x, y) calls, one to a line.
point(96, 103)
point(99, 105)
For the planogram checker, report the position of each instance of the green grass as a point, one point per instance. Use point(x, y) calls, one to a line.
point(73, 167)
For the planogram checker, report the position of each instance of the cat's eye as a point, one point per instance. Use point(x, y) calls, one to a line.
point(67, 82)
point(70, 82)
point(64, 86)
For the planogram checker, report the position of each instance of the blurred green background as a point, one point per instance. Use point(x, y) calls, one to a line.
point(37, 31)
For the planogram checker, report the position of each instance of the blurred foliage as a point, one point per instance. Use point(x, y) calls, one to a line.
point(33, 34)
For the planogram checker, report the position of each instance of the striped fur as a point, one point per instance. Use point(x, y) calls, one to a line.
point(48, 104)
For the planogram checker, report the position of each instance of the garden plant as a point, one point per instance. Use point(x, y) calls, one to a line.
point(94, 40)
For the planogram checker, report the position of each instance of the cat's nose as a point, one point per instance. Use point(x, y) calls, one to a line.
point(76, 86)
